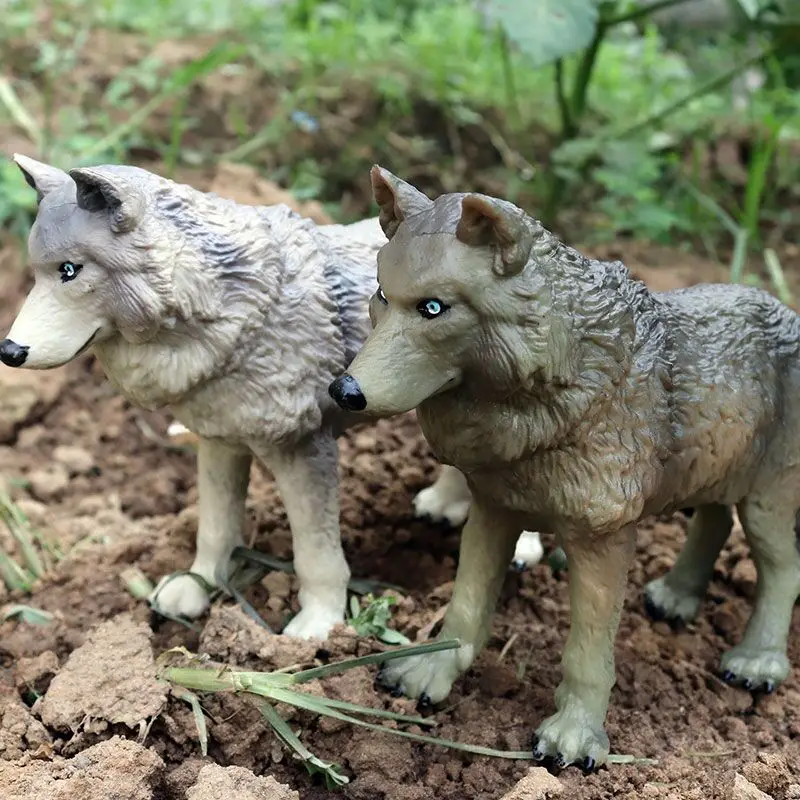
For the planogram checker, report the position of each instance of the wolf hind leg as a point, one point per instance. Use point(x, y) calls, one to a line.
point(759, 661)
point(677, 595)
point(223, 475)
point(449, 499)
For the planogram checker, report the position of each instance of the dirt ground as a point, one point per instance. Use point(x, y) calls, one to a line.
point(89, 469)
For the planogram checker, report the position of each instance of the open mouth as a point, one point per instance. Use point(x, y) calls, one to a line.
point(86, 346)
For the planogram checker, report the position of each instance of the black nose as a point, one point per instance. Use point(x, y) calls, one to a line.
point(12, 354)
point(347, 393)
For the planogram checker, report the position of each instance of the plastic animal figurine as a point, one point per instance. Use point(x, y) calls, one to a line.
point(577, 402)
point(237, 317)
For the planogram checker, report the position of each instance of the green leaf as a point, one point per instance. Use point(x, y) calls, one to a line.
point(333, 775)
point(546, 29)
point(33, 616)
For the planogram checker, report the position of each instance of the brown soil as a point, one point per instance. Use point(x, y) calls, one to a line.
point(91, 470)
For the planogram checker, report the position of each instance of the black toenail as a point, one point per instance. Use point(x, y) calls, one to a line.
point(769, 687)
point(728, 676)
point(654, 612)
point(424, 703)
point(560, 761)
point(518, 565)
point(538, 755)
point(396, 691)
point(588, 764)
point(747, 684)
point(322, 654)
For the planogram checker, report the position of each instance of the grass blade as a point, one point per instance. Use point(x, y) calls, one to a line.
point(333, 777)
point(14, 576)
point(282, 695)
point(357, 585)
point(777, 277)
point(199, 717)
point(307, 703)
point(246, 606)
point(137, 583)
point(21, 118)
point(373, 658)
point(20, 529)
point(29, 614)
point(739, 255)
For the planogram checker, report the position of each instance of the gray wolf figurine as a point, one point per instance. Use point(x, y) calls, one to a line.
point(237, 317)
point(576, 402)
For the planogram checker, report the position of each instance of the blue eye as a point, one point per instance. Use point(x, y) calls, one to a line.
point(69, 271)
point(431, 308)
point(381, 296)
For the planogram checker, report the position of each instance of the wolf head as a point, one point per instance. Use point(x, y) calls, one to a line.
point(126, 261)
point(84, 246)
point(464, 297)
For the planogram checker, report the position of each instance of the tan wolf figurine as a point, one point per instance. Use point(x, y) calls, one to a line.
point(577, 402)
point(237, 317)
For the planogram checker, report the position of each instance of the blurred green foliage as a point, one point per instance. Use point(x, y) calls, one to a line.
point(597, 115)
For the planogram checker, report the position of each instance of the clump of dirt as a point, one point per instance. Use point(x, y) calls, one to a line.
point(224, 783)
point(20, 732)
point(538, 784)
point(743, 789)
point(771, 773)
point(231, 636)
point(25, 396)
point(110, 678)
point(116, 769)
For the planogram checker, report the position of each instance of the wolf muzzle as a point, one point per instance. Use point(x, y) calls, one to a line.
point(347, 393)
point(12, 354)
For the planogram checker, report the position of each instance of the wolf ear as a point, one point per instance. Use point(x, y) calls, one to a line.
point(40, 177)
point(101, 191)
point(487, 221)
point(396, 199)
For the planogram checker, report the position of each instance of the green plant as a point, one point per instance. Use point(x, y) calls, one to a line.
point(282, 686)
point(370, 616)
point(35, 553)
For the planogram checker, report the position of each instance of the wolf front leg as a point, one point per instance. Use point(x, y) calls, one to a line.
point(222, 478)
point(598, 570)
point(308, 479)
point(487, 543)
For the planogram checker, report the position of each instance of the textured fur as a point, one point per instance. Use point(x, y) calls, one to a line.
point(576, 401)
point(237, 317)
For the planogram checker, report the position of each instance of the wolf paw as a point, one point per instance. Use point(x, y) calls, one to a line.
point(754, 670)
point(569, 737)
point(439, 506)
point(429, 677)
point(529, 551)
point(663, 603)
point(313, 621)
point(181, 595)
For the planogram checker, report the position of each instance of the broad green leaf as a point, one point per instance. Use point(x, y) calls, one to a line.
point(543, 30)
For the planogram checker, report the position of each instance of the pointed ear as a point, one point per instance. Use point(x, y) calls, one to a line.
point(488, 221)
point(100, 190)
point(396, 199)
point(41, 177)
